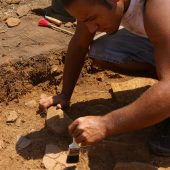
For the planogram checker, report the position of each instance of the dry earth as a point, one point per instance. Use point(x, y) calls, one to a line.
point(32, 60)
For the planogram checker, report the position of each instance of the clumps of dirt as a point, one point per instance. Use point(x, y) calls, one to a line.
point(19, 77)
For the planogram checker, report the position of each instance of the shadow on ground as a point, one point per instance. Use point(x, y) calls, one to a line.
point(50, 12)
point(131, 147)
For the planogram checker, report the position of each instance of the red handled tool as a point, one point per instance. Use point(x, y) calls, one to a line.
point(44, 23)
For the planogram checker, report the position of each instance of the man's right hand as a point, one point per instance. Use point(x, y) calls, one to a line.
point(59, 101)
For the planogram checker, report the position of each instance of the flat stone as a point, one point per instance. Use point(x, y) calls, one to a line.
point(55, 158)
point(31, 104)
point(12, 117)
point(127, 91)
point(57, 121)
point(134, 166)
point(12, 22)
point(23, 10)
point(22, 142)
point(68, 24)
point(13, 1)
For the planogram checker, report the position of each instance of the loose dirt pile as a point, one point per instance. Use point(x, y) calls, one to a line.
point(31, 64)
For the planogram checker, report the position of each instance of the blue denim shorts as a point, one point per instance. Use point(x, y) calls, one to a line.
point(122, 47)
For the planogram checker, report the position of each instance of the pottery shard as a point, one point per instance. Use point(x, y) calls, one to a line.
point(128, 91)
point(23, 10)
point(13, 1)
point(57, 121)
point(52, 150)
point(12, 117)
point(49, 163)
point(134, 166)
point(55, 158)
point(12, 22)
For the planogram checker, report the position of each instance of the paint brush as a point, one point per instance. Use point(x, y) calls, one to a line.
point(44, 23)
point(73, 153)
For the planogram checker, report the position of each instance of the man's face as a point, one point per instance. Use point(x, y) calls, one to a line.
point(97, 17)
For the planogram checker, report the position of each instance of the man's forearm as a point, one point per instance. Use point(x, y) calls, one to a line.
point(73, 66)
point(152, 107)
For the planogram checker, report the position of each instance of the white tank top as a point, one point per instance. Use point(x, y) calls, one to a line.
point(133, 18)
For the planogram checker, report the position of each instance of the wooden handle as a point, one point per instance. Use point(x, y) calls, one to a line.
point(61, 29)
point(54, 20)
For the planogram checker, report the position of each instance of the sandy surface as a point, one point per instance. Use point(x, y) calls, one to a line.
point(27, 55)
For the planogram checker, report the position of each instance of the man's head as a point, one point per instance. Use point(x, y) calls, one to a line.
point(98, 15)
point(107, 3)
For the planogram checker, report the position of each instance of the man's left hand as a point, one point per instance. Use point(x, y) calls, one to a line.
point(88, 130)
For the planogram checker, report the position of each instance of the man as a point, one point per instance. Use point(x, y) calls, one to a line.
point(143, 45)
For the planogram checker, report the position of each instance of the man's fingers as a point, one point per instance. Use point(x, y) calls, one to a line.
point(73, 127)
point(77, 132)
point(41, 108)
point(81, 139)
point(59, 106)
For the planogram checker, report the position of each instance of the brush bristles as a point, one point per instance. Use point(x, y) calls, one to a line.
point(72, 159)
point(73, 155)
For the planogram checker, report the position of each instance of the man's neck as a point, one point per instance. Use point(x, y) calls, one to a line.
point(126, 5)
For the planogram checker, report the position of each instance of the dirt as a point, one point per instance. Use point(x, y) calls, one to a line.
point(32, 61)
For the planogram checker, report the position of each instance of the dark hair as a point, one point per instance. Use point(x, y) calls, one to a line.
point(67, 3)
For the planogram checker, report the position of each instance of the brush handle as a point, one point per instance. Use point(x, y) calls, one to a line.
point(53, 20)
point(74, 141)
point(61, 29)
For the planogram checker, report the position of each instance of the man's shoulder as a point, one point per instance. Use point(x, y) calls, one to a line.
point(157, 22)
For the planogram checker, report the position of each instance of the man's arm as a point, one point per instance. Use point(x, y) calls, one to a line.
point(154, 105)
point(74, 60)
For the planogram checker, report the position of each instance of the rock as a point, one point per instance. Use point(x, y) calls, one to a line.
point(68, 24)
point(13, 1)
point(18, 122)
point(75, 23)
point(134, 166)
point(23, 10)
point(100, 77)
point(54, 69)
point(31, 104)
point(55, 158)
point(2, 145)
point(12, 117)
point(57, 121)
point(22, 142)
point(128, 91)
point(12, 22)
point(5, 17)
